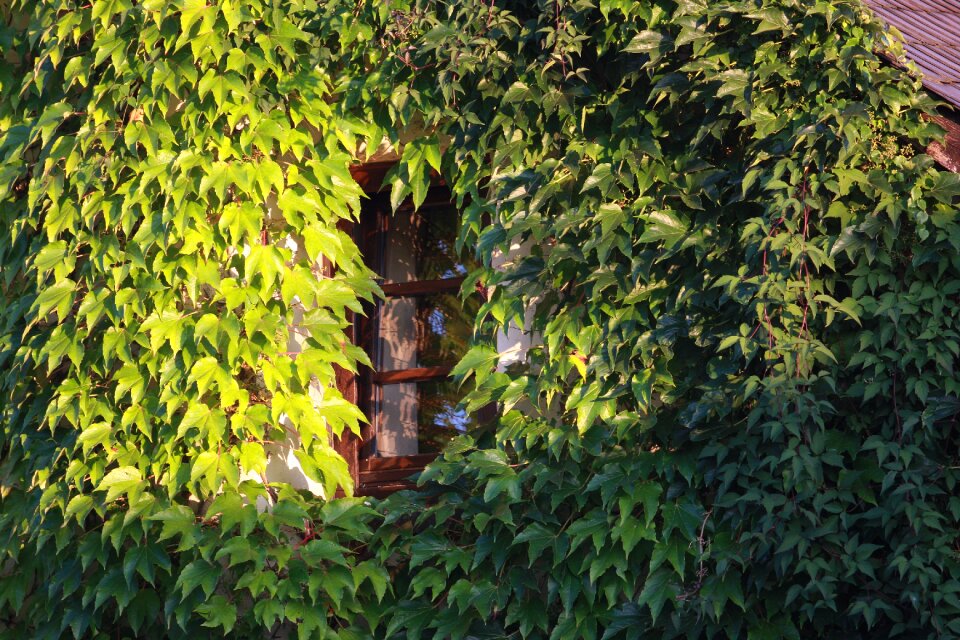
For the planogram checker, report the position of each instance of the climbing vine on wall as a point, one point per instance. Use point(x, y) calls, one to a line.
point(739, 418)
point(173, 177)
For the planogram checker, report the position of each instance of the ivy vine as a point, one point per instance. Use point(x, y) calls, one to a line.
point(739, 418)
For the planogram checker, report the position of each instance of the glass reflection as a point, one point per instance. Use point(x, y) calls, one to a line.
point(421, 331)
point(439, 419)
point(419, 417)
point(425, 331)
point(422, 246)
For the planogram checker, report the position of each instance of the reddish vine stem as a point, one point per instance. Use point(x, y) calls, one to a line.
point(804, 267)
point(766, 270)
point(563, 60)
point(896, 410)
point(803, 271)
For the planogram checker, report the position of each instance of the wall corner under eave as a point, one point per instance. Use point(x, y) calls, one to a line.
point(947, 151)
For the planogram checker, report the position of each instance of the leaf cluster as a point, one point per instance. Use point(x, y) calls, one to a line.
point(738, 418)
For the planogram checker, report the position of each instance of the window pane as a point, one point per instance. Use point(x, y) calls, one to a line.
point(424, 331)
point(421, 246)
point(418, 331)
point(419, 417)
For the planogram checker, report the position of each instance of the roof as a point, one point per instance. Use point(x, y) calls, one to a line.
point(931, 29)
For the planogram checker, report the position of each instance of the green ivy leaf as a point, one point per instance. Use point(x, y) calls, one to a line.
point(219, 612)
point(666, 227)
point(199, 573)
point(120, 481)
point(58, 296)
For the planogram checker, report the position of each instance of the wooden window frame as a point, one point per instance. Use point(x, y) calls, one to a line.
point(381, 476)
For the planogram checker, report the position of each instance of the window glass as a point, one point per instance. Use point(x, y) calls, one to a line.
point(424, 331)
point(440, 419)
point(418, 332)
point(422, 246)
point(419, 417)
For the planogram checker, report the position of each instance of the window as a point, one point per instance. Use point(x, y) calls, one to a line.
point(414, 337)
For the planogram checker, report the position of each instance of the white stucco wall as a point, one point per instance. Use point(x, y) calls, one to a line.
point(513, 343)
point(282, 464)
